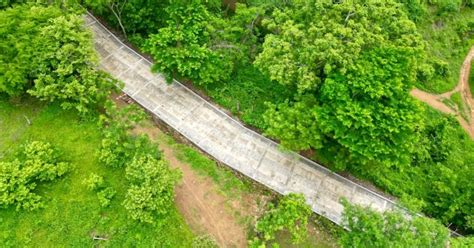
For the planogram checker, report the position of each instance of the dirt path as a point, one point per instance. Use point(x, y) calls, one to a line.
point(205, 210)
point(436, 101)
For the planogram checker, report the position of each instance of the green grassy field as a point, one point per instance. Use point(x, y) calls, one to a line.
point(72, 214)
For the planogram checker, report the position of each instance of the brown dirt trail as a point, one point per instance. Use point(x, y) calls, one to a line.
point(436, 101)
point(198, 200)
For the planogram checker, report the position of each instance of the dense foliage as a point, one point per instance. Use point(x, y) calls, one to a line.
point(352, 65)
point(332, 77)
point(35, 163)
point(135, 18)
point(439, 182)
point(369, 228)
point(50, 55)
point(290, 214)
point(180, 48)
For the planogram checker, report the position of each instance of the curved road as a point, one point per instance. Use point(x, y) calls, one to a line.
point(226, 139)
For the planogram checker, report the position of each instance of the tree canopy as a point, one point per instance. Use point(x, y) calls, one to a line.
point(352, 65)
point(50, 55)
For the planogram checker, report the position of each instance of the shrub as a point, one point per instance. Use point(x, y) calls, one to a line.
point(204, 241)
point(105, 196)
point(118, 146)
point(290, 214)
point(94, 182)
point(36, 162)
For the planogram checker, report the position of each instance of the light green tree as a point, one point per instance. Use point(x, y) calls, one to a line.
point(50, 55)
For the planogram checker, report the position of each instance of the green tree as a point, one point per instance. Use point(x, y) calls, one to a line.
point(66, 66)
point(180, 48)
point(20, 26)
point(50, 55)
point(416, 9)
point(368, 110)
point(132, 17)
point(369, 228)
point(323, 50)
point(236, 37)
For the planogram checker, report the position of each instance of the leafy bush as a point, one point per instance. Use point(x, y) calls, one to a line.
point(36, 162)
point(369, 228)
point(291, 213)
point(105, 196)
point(151, 190)
point(94, 182)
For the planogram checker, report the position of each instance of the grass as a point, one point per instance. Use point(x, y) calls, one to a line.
point(461, 105)
point(457, 99)
point(72, 214)
point(449, 102)
point(444, 43)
